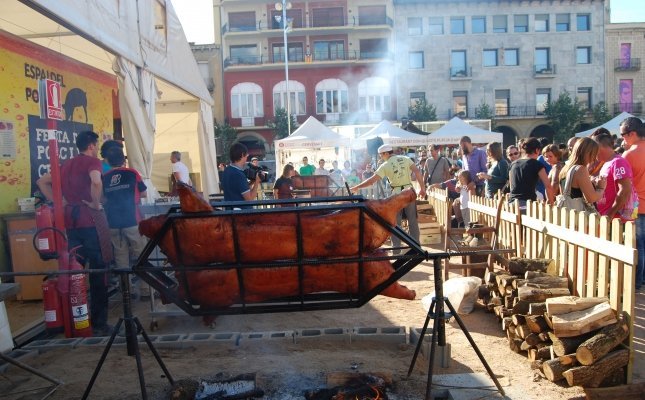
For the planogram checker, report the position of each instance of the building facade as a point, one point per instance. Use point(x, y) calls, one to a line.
point(340, 63)
point(624, 50)
point(514, 56)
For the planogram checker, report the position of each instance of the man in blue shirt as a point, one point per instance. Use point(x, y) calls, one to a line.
point(474, 161)
point(234, 183)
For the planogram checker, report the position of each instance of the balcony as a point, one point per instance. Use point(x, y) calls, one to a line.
point(316, 58)
point(627, 64)
point(461, 73)
point(544, 70)
point(270, 26)
point(633, 108)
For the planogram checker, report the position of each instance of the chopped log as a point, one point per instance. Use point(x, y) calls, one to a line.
point(342, 378)
point(547, 282)
point(506, 322)
point(518, 283)
point(521, 307)
point(522, 331)
point(510, 332)
point(489, 276)
point(536, 364)
point(567, 304)
point(532, 339)
point(518, 319)
point(483, 293)
point(578, 322)
point(548, 320)
point(537, 308)
point(544, 336)
point(537, 323)
point(593, 375)
point(594, 348)
point(536, 295)
point(497, 301)
point(507, 280)
point(490, 307)
point(500, 277)
point(553, 369)
point(634, 391)
point(526, 347)
point(543, 344)
point(615, 378)
point(535, 274)
point(539, 354)
point(515, 344)
point(562, 346)
point(508, 301)
point(519, 266)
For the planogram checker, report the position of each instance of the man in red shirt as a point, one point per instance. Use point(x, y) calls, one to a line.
point(82, 190)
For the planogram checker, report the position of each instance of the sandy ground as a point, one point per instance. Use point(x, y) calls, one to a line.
point(285, 369)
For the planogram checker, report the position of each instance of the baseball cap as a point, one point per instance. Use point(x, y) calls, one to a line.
point(385, 148)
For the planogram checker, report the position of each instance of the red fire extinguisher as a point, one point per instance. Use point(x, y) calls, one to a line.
point(52, 305)
point(45, 239)
point(81, 326)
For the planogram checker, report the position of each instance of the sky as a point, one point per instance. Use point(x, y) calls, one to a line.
point(196, 16)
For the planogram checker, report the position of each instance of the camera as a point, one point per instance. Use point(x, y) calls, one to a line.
point(252, 171)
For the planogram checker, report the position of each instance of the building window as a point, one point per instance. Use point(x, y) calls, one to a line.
point(460, 103)
point(416, 97)
point(584, 97)
point(241, 21)
point(416, 59)
point(583, 22)
point(478, 25)
point(246, 54)
point(329, 50)
point(246, 100)
point(294, 18)
point(542, 59)
point(511, 57)
point(490, 57)
point(562, 22)
point(436, 26)
point(371, 15)
point(331, 97)
point(333, 16)
point(500, 24)
point(583, 55)
point(374, 95)
point(296, 97)
point(457, 25)
point(458, 65)
point(521, 23)
point(542, 23)
point(542, 98)
point(373, 48)
point(296, 53)
point(415, 26)
point(502, 102)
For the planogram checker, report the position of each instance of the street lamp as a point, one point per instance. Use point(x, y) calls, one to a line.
point(284, 6)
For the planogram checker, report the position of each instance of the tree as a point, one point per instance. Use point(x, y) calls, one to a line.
point(600, 113)
point(421, 111)
point(279, 124)
point(225, 135)
point(564, 115)
point(484, 111)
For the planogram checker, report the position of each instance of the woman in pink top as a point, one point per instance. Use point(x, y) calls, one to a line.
point(616, 201)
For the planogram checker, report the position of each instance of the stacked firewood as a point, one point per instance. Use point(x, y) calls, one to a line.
point(563, 336)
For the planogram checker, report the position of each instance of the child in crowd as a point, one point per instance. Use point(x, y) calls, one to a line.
point(466, 188)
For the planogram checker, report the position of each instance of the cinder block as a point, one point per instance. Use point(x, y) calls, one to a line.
point(18, 355)
point(199, 339)
point(94, 341)
point(308, 334)
point(390, 334)
point(442, 354)
point(44, 345)
point(337, 334)
point(174, 341)
point(153, 339)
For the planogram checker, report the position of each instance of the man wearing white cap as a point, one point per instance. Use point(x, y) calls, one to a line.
point(397, 170)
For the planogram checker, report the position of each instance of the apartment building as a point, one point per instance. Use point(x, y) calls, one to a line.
point(514, 56)
point(624, 50)
point(340, 63)
point(209, 62)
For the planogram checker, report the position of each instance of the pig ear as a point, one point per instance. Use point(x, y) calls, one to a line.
point(190, 200)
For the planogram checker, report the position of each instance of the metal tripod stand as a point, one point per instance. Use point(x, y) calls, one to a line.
point(438, 314)
point(132, 328)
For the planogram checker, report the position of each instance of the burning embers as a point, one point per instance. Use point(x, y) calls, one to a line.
point(356, 387)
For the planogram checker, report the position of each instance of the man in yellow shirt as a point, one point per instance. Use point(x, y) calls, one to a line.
point(397, 169)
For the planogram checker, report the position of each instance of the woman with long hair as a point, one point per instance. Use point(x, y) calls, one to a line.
point(525, 174)
point(283, 188)
point(553, 156)
point(584, 152)
point(497, 175)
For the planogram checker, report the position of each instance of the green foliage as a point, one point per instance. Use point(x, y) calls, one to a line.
point(422, 111)
point(600, 114)
point(564, 115)
point(279, 124)
point(484, 111)
point(225, 135)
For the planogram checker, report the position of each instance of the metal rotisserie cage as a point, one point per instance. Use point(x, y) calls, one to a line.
point(234, 259)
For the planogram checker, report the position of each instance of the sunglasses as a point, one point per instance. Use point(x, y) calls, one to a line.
point(623, 134)
point(514, 154)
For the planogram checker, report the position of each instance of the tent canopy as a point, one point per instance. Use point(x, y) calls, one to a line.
point(390, 135)
point(613, 125)
point(312, 134)
point(455, 129)
point(147, 37)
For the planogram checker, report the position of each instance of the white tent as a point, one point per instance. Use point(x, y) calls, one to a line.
point(314, 140)
point(163, 100)
point(455, 129)
point(390, 135)
point(613, 125)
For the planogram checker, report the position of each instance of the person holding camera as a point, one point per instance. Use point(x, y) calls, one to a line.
point(234, 180)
